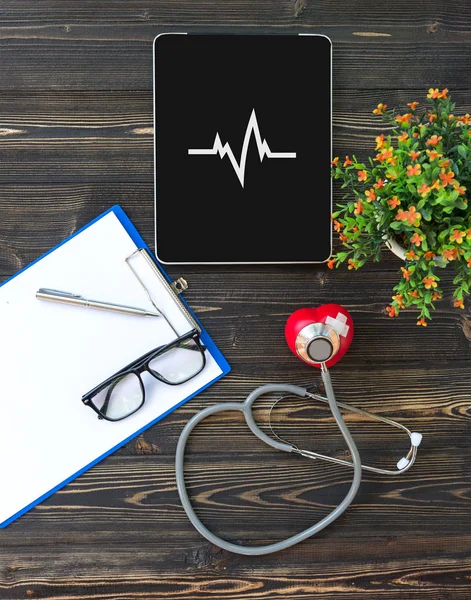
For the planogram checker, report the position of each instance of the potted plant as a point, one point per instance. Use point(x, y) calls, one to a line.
point(411, 197)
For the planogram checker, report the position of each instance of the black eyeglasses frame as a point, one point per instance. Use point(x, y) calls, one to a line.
point(140, 365)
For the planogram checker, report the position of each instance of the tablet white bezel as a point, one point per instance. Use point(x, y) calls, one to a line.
point(288, 262)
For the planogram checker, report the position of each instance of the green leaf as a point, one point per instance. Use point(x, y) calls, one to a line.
point(426, 213)
point(396, 225)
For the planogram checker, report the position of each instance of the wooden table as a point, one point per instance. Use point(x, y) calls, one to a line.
point(76, 137)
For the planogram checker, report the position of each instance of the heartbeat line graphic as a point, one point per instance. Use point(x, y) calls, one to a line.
point(239, 168)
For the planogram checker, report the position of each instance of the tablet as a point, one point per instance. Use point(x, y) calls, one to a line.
point(242, 148)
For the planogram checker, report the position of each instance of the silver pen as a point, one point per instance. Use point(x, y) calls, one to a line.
point(77, 300)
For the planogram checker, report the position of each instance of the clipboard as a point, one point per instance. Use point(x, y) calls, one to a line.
point(55, 353)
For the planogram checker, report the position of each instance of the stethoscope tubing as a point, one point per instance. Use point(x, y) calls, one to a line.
point(246, 408)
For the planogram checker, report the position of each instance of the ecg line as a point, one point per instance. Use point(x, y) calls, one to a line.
point(262, 146)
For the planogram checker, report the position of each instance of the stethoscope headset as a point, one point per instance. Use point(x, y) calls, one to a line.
point(320, 337)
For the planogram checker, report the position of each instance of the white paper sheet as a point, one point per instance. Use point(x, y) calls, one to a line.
point(51, 354)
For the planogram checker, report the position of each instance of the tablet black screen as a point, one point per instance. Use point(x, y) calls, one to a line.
point(242, 148)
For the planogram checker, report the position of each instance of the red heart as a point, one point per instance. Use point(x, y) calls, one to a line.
point(326, 313)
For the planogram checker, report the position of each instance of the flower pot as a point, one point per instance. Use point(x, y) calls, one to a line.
point(395, 248)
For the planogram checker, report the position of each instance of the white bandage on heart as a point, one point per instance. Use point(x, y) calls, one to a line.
point(339, 324)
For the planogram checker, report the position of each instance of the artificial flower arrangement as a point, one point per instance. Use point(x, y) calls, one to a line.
point(412, 193)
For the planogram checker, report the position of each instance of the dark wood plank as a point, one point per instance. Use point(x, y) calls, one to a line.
point(74, 49)
point(109, 135)
point(358, 62)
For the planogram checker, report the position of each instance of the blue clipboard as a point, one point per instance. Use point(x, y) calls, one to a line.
point(209, 343)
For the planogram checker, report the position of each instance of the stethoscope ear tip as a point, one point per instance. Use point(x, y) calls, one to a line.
point(403, 463)
point(416, 439)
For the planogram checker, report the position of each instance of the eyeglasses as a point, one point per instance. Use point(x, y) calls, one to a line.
point(124, 393)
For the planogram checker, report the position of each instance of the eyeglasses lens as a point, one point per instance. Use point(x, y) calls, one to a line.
point(121, 398)
point(178, 364)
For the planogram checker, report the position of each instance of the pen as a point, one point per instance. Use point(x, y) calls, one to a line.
point(77, 300)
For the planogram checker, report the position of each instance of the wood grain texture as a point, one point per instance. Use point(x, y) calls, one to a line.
point(76, 137)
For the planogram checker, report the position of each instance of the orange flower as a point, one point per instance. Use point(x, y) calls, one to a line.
point(406, 273)
point(459, 188)
point(412, 216)
point(337, 225)
point(411, 255)
point(433, 93)
point(432, 117)
point(414, 155)
point(468, 234)
point(359, 208)
point(379, 184)
point(352, 264)
point(362, 175)
point(384, 154)
point(370, 195)
point(343, 238)
point(435, 185)
point(450, 254)
point(434, 140)
point(416, 239)
point(331, 262)
point(433, 154)
point(394, 201)
point(404, 118)
point(445, 163)
point(380, 141)
point(391, 311)
point(413, 170)
point(447, 178)
point(443, 93)
point(414, 294)
point(429, 282)
point(415, 134)
point(468, 263)
point(412, 105)
point(399, 300)
point(429, 255)
point(465, 120)
point(423, 190)
point(379, 110)
point(457, 236)
point(347, 162)
point(436, 296)
point(335, 161)
point(392, 161)
point(403, 137)
point(458, 303)
point(422, 321)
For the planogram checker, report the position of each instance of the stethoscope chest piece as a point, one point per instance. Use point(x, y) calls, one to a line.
point(317, 343)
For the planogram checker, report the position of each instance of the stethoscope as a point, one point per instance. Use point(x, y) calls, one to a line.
point(319, 337)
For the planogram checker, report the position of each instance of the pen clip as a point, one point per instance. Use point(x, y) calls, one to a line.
point(58, 293)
